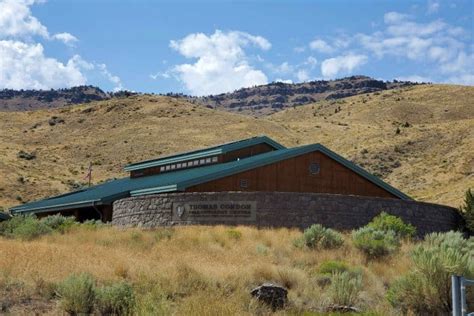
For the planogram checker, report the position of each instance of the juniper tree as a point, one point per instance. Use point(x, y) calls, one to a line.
point(467, 210)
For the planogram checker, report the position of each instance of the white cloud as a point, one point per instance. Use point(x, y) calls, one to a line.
point(460, 64)
point(157, 75)
point(24, 66)
point(435, 42)
point(433, 6)
point(311, 62)
point(464, 79)
point(343, 64)
point(284, 80)
point(299, 49)
point(394, 17)
point(222, 64)
point(66, 38)
point(299, 72)
point(414, 78)
point(302, 75)
point(16, 20)
point(109, 76)
point(321, 46)
point(284, 68)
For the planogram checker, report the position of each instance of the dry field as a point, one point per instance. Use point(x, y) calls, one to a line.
point(431, 158)
point(188, 270)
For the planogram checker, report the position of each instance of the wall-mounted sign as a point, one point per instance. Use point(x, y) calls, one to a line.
point(215, 211)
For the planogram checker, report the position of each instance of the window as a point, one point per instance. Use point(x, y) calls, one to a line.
point(167, 167)
point(202, 161)
point(162, 168)
point(314, 168)
point(178, 166)
point(173, 167)
point(214, 159)
point(208, 160)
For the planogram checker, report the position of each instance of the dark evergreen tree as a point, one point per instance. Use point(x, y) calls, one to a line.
point(467, 210)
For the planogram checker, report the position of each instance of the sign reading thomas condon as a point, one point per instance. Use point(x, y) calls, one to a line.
point(209, 211)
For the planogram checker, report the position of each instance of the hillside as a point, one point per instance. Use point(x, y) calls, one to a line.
point(419, 139)
point(277, 96)
point(23, 100)
point(255, 101)
point(46, 152)
point(109, 134)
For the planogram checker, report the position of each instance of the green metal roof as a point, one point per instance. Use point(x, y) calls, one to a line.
point(4, 216)
point(179, 180)
point(205, 152)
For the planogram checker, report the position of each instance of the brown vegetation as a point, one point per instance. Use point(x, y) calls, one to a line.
point(431, 158)
point(190, 270)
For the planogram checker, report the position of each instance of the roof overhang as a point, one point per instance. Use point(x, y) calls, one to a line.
point(56, 207)
point(154, 190)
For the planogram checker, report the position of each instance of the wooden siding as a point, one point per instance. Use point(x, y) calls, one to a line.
point(230, 156)
point(293, 175)
point(246, 152)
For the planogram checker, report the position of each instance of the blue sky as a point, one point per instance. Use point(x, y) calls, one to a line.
point(208, 47)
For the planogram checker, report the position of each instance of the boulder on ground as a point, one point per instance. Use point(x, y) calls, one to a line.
point(274, 295)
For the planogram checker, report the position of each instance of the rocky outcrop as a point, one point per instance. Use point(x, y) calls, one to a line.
point(276, 96)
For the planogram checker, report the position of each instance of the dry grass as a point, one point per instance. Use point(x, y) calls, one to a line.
point(194, 270)
point(435, 153)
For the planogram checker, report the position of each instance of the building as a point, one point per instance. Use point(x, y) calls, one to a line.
point(254, 164)
point(254, 181)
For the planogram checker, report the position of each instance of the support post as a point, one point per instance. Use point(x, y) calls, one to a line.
point(455, 290)
point(463, 296)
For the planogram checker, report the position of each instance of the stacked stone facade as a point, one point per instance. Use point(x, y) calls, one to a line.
point(285, 209)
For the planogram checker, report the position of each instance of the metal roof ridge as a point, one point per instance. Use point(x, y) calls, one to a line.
point(204, 152)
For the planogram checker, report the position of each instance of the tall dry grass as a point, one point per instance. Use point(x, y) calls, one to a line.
point(195, 270)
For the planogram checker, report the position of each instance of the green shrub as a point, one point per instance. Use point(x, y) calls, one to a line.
point(115, 299)
point(77, 294)
point(375, 243)
point(93, 223)
point(334, 266)
point(234, 234)
point(319, 237)
point(386, 222)
point(59, 223)
point(151, 299)
point(426, 290)
point(24, 228)
point(164, 233)
point(345, 289)
point(262, 249)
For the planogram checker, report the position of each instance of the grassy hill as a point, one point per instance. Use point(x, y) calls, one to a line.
point(419, 139)
point(429, 158)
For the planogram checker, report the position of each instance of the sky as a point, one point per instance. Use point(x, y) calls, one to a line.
point(211, 47)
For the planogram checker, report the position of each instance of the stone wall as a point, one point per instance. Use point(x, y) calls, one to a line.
point(277, 209)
